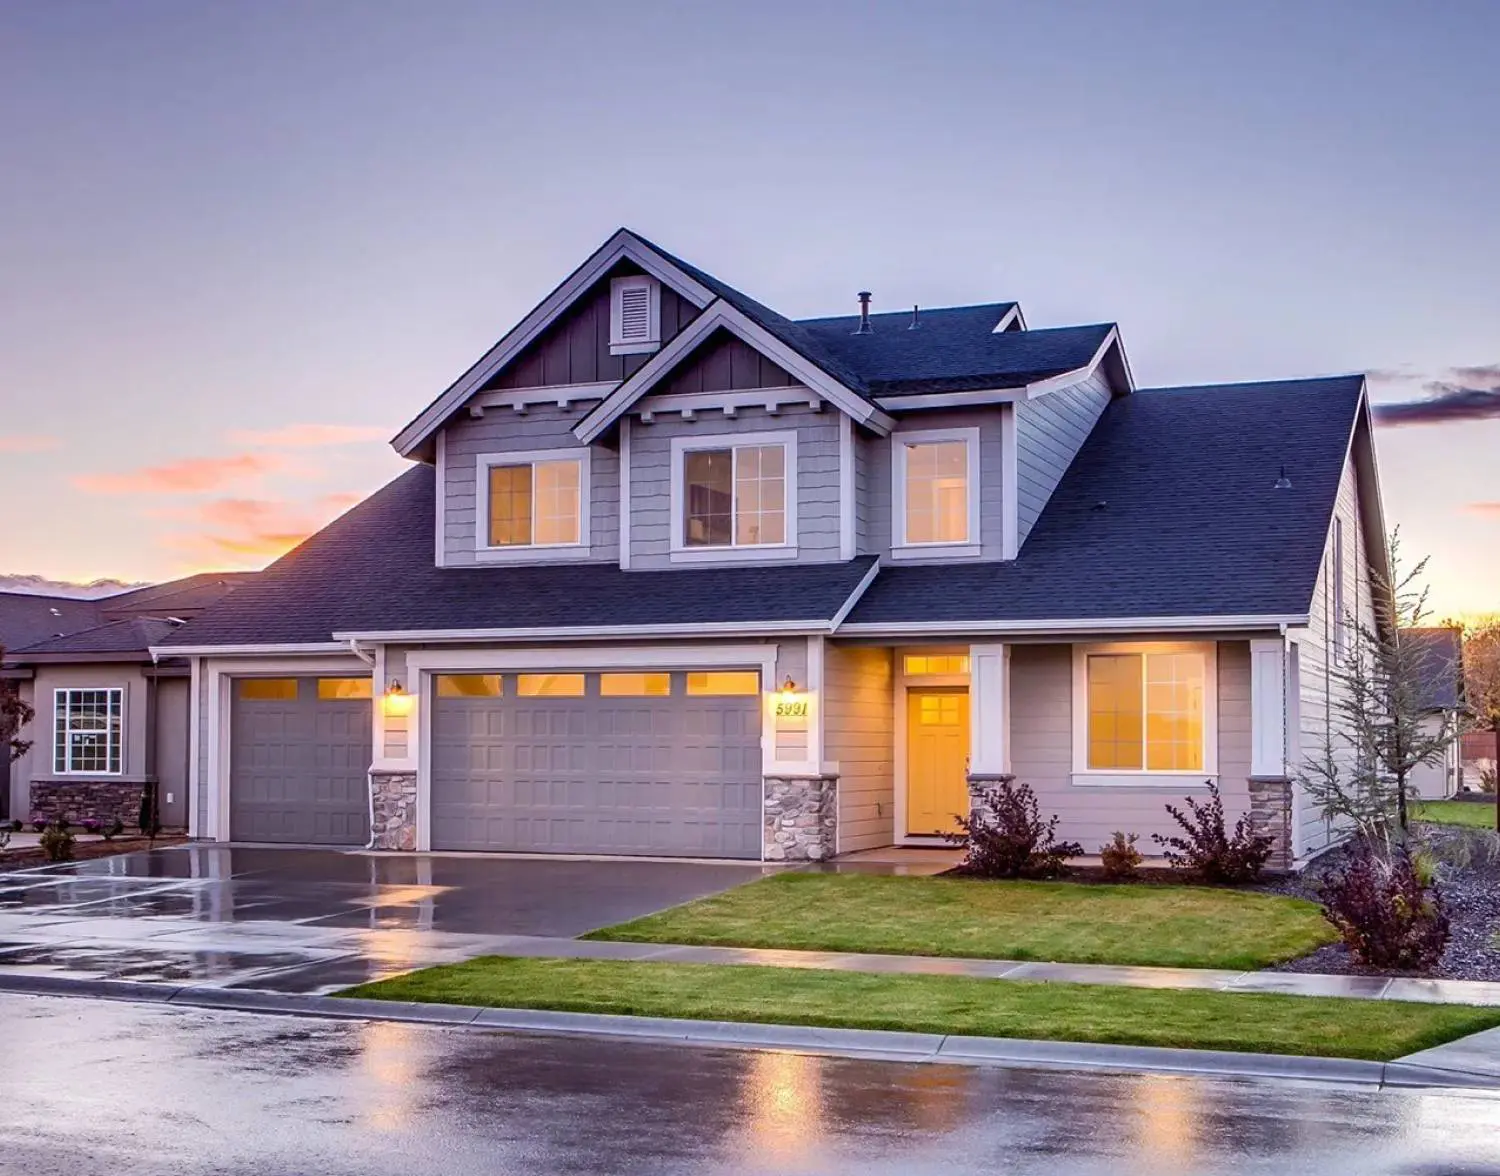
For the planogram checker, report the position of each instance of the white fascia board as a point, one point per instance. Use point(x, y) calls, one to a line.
point(676, 655)
point(1078, 375)
point(292, 650)
point(621, 246)
point(854, 597)
point(721, 314)
point(1071, 628)
point(967, 399)
point(1008, 319)
point(585, 632)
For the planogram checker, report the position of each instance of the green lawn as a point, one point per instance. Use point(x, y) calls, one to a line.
point(1176, 926)
point(1192, 1019)
point(1455, 812)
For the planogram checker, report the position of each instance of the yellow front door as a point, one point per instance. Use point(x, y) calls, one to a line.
point(937, 758)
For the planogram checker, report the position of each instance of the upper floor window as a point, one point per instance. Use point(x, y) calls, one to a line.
point(935, 475)
point(87, 731)
point(531, 500)
point(634, 315)
point(730, 494)
point(1145, 709)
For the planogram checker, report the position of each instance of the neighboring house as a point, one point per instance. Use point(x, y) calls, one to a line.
point(110, 718)
point(672, 574)
point(1443, 699)
point(1477, 753)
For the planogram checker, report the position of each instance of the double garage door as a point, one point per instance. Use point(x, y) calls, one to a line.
point(657, 763)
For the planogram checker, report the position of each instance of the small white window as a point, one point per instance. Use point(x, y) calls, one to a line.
point(634, 315)
point(734, 494)
point(88, 731)
point(532, 500)
point(935, 489)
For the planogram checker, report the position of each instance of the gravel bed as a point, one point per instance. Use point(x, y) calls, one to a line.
point(1471, 892)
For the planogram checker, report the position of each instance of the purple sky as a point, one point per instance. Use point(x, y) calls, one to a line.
point(241, 243)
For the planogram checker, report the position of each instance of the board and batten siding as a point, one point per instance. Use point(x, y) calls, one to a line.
point(1318, 722)
point(723, 363)
point(1041, 724)
point(1049, 433)
point(504, 430)
point(858, 736)
point(817, 477)
point(876, 455)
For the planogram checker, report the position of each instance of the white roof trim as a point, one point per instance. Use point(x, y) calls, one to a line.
point(951, 399)
point(1071, 627)
point(315, 647)
point(854, 597)
point(1008, 319)
point(624, 244)
point(722, 314)
point(1078, 375)
point(583, 632)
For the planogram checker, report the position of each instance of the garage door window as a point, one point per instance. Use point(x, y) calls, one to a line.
point(469, 686)
point(332, 688)
point(549, 685)
point(268, 689)
point(635, 685)
point(724, 682)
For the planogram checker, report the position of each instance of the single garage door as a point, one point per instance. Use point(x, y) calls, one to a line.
point(299, 755)
point(661, 764)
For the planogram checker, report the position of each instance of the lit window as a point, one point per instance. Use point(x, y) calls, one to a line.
point(87, 731)
point(936, 479)
point(1146, 711)
point(724, 682)
point(735, 496)
point(635, 685)
point(917, 665)
point(268, 689)
point(468, 686)
point(535, 503)
point(330, 689)
point(549, 685)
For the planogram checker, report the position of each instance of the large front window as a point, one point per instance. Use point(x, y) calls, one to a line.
point(1146, 711)
point(936, 488)
point(87, 731)
point(735, 494)
point(536, 503)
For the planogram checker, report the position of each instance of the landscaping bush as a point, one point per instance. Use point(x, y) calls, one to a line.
point(38, 823)
point(90, 825)
point(1119, 858)
point(57, 841)
point(1006, 837)
point(1209, 850)
point(112, 828)
point(1385, 911)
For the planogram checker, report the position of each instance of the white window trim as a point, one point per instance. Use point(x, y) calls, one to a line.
point(972, 546)
point(59, 695)
point(483, 552)
point(617, 344)
point(1145, 778)
point(679, 552)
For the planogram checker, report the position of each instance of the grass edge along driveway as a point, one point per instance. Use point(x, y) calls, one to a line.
point(1181, 1018)
point(1071, 922)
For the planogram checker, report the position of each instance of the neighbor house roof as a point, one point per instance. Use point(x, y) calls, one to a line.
point(372, 570)
point(1170, 509)
point(1440, 663)
point(26, 619)
point(134, 636)
point(177, 598)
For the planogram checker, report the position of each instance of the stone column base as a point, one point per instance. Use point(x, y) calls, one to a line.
point(800, 818)
point(394, 816)
point(1271, 814)
point(980, 781)
point(91, 800)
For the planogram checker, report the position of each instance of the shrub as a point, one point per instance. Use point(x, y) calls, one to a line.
point(1209, 850)
point(1120, 859)
point(112, 828)
point(38, 822)
point(90, 825)
point(1006, 837)
point(57, 841)
point(17, 825)
point(1384, 911)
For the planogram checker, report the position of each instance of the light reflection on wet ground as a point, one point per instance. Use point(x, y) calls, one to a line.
point(124, 1089)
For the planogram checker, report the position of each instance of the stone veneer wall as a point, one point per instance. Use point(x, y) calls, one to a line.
point(977, 785)
point(84, 800)
point(1271, 813)
point(394, 810)
point(800, 818)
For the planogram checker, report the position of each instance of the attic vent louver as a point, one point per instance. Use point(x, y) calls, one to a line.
point(864, 327)
point(634, 315)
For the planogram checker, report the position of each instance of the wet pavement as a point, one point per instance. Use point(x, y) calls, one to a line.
point(314, 920)
point(103, 1087)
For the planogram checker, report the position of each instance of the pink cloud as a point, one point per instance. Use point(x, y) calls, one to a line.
point(309, 436)
point(1490, 509)
point(193, 475)
point(253, 531)
point(28, 443)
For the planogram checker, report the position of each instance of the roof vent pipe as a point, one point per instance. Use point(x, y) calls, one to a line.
point(864, 327)
point(915, 323)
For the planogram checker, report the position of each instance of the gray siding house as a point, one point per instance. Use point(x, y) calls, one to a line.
point(672, 574)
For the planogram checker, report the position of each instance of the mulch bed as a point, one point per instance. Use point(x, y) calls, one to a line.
point(28, 857)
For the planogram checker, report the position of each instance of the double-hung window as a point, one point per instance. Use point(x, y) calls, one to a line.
point(935, 486)
point(1145, 710)
point(88, 731)
point(532, 500)
point(734, 495)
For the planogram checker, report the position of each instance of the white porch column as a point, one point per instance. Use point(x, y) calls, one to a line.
point(1268, 707)
point(989, 710)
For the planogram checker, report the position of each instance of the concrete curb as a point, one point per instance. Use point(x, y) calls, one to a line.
point(852, 1043)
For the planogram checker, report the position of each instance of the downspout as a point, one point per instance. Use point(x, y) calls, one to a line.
point(369, 660)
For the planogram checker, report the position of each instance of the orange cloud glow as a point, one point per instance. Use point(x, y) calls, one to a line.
point(190, 476)
point(309, 436)
point(1483, 508)
point(28, 443)
point(250, 532)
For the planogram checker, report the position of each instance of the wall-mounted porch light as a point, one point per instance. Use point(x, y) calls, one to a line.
point(397, 702)
point(791, 703)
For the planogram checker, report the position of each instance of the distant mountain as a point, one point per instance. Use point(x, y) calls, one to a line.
point(41, 586)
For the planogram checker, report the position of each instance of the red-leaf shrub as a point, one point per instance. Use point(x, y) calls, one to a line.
point(1006, 837)
point(1209, 850)
point(1384, 911)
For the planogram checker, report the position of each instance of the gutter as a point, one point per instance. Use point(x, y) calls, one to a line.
point(1075, 627)
point(585, 633)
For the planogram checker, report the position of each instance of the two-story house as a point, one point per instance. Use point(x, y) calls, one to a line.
point(672, 574)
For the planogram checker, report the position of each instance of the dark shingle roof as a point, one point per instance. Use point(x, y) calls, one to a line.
point(372, 570)
point(26, 619)
point(1440, 661)
point(174, 598)
point(134, 636)
point(1169, 509)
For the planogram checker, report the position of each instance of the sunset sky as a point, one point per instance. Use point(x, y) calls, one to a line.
point(242, 243)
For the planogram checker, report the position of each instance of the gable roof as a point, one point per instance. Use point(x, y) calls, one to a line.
point(1440, 661)
point(1169, 510)
point(133, 637)
point(176, 598)
point(372, 570)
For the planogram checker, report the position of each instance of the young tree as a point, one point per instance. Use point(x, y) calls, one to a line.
point(14, 715)
point(1482, 684)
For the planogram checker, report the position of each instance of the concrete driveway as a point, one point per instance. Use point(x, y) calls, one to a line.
point(304, 920)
